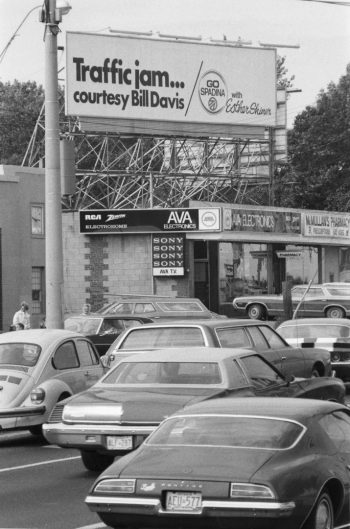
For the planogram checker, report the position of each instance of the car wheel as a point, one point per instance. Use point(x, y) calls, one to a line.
point(335, 312)
point(256, 312)
point(322, 516)
point(95, 461)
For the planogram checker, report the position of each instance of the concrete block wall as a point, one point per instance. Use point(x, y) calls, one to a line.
point(97, 268)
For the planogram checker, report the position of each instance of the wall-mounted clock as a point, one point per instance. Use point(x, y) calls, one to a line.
point(37, 220)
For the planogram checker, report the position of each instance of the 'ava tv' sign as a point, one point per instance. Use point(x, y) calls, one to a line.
point(149, 220)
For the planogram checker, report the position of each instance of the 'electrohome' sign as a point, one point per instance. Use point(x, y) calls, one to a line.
point(149, 220)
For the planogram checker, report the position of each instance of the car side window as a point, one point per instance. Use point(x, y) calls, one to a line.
point(261, 374)
point(337, 427)
point(132, 323)
point(65, 356)
point(112, 326)
point(314, 293)
point(273, 339)
point(233, 337)
point(86, 354)
point(258, 338)
point(141, 308)
point(298, 292)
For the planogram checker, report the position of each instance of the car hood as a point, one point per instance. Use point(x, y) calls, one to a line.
point(132, 405)
point(12, 383)
point(196, 462)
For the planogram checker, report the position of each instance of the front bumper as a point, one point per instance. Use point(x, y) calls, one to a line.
point(141, 511)
point(94, 437)
point(21, 417)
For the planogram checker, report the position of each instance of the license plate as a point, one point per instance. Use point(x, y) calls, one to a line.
point(184, 501)
point(117, 442)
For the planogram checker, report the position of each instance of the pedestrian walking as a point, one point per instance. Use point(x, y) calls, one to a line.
point(22, 317)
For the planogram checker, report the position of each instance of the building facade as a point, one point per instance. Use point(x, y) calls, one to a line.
point(251, 250)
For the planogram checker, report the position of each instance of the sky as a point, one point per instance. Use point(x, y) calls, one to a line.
point(321, 30)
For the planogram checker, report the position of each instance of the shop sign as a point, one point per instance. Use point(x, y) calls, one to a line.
point(136, 78)
point(126, 221)
point(326, 225)
point(168, 255)
point(264, 220)
point(289, 254)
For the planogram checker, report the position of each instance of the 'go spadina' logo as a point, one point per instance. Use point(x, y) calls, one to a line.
point(212, 92)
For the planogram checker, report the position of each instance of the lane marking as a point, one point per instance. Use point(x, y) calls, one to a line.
point(39, 464)
point(93, 526)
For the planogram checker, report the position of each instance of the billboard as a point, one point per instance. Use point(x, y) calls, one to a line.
point(155, 80)
point(264, 220)
point(128, 221)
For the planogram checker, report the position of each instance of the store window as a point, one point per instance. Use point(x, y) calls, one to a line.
point(242, 270)
point(37, 290)
point(301, 264)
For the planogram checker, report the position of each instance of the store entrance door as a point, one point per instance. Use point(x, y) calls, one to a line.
point(206, 273)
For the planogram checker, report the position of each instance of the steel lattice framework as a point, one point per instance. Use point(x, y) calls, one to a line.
point(116, 171)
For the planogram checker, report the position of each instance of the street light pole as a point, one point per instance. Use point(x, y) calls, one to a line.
point(53, 208)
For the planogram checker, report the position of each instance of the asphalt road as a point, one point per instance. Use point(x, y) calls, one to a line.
point(42, 486)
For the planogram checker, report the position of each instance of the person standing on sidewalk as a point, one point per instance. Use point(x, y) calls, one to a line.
point(22, 316)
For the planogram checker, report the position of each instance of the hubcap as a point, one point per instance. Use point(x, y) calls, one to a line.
point(323, 516)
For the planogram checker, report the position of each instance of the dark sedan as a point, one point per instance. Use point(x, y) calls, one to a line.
point(235, 463)
point(224, 333)
point(329, 300)
point(125, 406)
point(102, 330)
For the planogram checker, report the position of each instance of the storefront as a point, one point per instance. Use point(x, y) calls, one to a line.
point(211, 251)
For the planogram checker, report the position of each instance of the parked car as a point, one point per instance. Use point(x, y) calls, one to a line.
point(160, 307)
point(115, 416)
point(332, 335)
point(242, 463)
point(103, 329)
point(39, 368)
point(330, 300)
point(224, 333)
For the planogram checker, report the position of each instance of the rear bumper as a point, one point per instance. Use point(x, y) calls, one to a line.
point(93, 437)
point(24, 411)
point(22, 417)
point(148, 512)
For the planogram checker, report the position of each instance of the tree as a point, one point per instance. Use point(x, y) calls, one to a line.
point(20, 105)
point(319, 151)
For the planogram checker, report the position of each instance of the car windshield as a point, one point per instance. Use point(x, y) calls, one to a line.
point(315, 331)
point(228, 430)
point(143, 338)
point(176, 373)
point(83, 325)
point(19, 354)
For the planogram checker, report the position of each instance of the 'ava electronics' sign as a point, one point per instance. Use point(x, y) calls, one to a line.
point(149, 220)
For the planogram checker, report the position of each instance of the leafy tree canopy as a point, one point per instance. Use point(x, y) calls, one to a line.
point(318, 176)
point(20, 105)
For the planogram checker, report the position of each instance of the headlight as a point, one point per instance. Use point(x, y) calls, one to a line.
point(116, 486)
point(37, 395)
point(249, 490)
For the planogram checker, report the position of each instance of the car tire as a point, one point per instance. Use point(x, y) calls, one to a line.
point(95, 461)
point(322, 516)
point(256, 312)
point(335, 312)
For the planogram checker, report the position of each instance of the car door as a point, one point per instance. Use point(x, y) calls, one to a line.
point(110, 329)
point(266, 381)
point(289, 360)
point(90, 365)
point(314, 302)
point(337, 427)
point(67, 368)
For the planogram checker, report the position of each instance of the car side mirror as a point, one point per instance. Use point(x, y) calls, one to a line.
point(104, 361)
